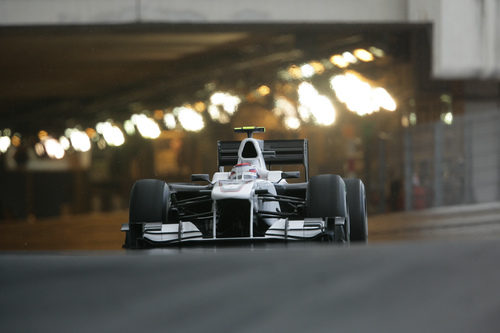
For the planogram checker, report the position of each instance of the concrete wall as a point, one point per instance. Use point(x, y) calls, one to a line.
point(466, 36)
point(466, 33)
point(23, 12)
point(483, 120)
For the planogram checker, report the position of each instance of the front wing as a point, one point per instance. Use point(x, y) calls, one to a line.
point(283, 229)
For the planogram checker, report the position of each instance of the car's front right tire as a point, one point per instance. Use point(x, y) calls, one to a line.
point(326, 198)
point(356, 201)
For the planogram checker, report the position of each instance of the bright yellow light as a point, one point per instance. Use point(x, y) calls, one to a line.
point(292, 123)
point(295, 72)
point(319, 68)
point(339, 61)
point(16, 140)
point(4, 143)
point(405, 122)
point(319, 106)
point(158, 114)
point(200, 106)
point(189, 119)
point(363, 55)
point(42, 134)
point(169, 120)
point(91, 133)
point(264, 90)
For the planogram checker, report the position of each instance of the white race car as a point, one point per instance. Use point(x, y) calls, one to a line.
point(250, 202)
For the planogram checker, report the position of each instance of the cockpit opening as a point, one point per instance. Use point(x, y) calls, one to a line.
point(249, 150)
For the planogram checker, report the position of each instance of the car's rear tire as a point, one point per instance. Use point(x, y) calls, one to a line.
point(149, 202)
point(326, 198)
point(356, 203)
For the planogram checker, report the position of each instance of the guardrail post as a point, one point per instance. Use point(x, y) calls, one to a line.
point(408, 168)
point(438, 164)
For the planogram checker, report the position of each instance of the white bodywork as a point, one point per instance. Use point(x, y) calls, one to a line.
point(171, 232)
point(245, 178)
point(243, 184)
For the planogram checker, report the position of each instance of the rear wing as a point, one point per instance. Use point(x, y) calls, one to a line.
point(274, 152)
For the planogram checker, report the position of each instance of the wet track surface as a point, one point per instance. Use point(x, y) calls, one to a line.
point(440, 287)
point(439, 273)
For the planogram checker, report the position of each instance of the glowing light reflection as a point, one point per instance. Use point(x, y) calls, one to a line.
point(319, 106)
point(129, 127)
point(111, 133)
point(307, 70)
point(292, 123)
point(349, 57)
point(39, 150)
point(189, 119)
point(363, 55)
point(16, 140)
point(4, 143)
point(376, 51)
point(284, 108)
point(53, 148)
point(264, 90)
point(228, 102)
point(147, 127)
point(447, 118)
point(359, 96)
point(79, 140)
point(64, 142)
point(339, 61)
point(169, 120)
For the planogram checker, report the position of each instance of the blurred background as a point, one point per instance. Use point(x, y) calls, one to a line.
point(94, 95)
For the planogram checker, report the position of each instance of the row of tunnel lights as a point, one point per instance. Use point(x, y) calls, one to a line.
point(350, 88)
point(340, 60)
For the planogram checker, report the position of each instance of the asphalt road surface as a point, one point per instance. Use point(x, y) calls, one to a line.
point(436, 286)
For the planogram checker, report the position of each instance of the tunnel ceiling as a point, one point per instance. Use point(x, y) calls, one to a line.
point(52, 74)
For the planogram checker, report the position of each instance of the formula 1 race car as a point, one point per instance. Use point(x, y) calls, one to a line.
point(250, 202)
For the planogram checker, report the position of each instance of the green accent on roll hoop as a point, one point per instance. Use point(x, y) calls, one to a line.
point(249, 130)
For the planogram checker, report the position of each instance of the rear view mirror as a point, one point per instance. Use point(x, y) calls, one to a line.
point(200, 177)
point(290, 174)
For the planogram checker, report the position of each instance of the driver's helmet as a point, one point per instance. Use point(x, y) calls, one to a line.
point(244, 171)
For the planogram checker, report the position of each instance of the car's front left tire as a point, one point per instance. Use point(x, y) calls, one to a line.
point(149, 202)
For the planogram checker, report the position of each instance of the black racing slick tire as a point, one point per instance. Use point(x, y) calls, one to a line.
point(356, 203)
point(149, 202)
point(326, 198)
